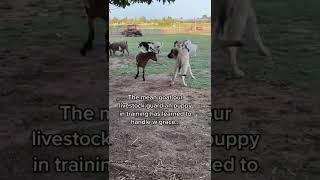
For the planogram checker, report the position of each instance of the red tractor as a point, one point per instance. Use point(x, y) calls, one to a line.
point(132, 30)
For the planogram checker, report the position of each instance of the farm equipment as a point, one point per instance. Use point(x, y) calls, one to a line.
point(132, 30)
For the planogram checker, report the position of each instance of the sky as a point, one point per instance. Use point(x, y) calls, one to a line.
point(187, 9)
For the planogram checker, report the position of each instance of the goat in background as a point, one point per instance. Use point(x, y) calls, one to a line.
point(142, 60)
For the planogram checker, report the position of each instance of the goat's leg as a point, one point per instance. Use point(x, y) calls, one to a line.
point(127, 51)
point(88, 44)
point(137, 75)
point(143, 75)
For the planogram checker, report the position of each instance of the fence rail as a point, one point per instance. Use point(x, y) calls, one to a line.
point(166, 30)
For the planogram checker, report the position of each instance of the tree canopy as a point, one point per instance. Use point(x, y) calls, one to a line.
point(125, 3)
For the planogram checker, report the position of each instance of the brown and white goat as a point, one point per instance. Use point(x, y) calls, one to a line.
point(142, 60)
point(94, 9)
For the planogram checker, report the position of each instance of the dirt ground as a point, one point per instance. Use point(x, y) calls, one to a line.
point(167, 151)
point(40, 68)
point(286, 119)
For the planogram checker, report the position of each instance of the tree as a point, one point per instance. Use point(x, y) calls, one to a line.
point(125, 3)
point(114, 20)
point(205, 17)
point(124, 20)
point(142, 19)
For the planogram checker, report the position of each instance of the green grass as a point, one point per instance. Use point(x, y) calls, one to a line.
point(200, 64)
point(291, 29)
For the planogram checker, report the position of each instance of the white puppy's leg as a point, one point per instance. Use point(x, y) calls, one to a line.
point(174, 75)
point(183, 80)
point(184, 70)
point(191, 74)
point(233, 60)
point(235, 29)
point(253, 27)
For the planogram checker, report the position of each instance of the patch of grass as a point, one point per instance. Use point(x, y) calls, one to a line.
point(200, 64)
point(291, 29)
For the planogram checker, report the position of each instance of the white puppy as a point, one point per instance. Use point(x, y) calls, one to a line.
point(182, 57)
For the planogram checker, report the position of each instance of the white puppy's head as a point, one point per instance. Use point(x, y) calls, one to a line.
point(175, 52)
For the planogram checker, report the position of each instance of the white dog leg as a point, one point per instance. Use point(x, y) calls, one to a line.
point(233, 60)
point(183, 80)
point(174, 75)
point(184, 70)
point(191, 74)
point(235, 29)
point(253, 27)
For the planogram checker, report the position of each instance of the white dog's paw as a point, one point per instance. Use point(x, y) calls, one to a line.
point(193, 77)
point(172, 83)
point(264, 51)
point(185, 85)
point(239, 73)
